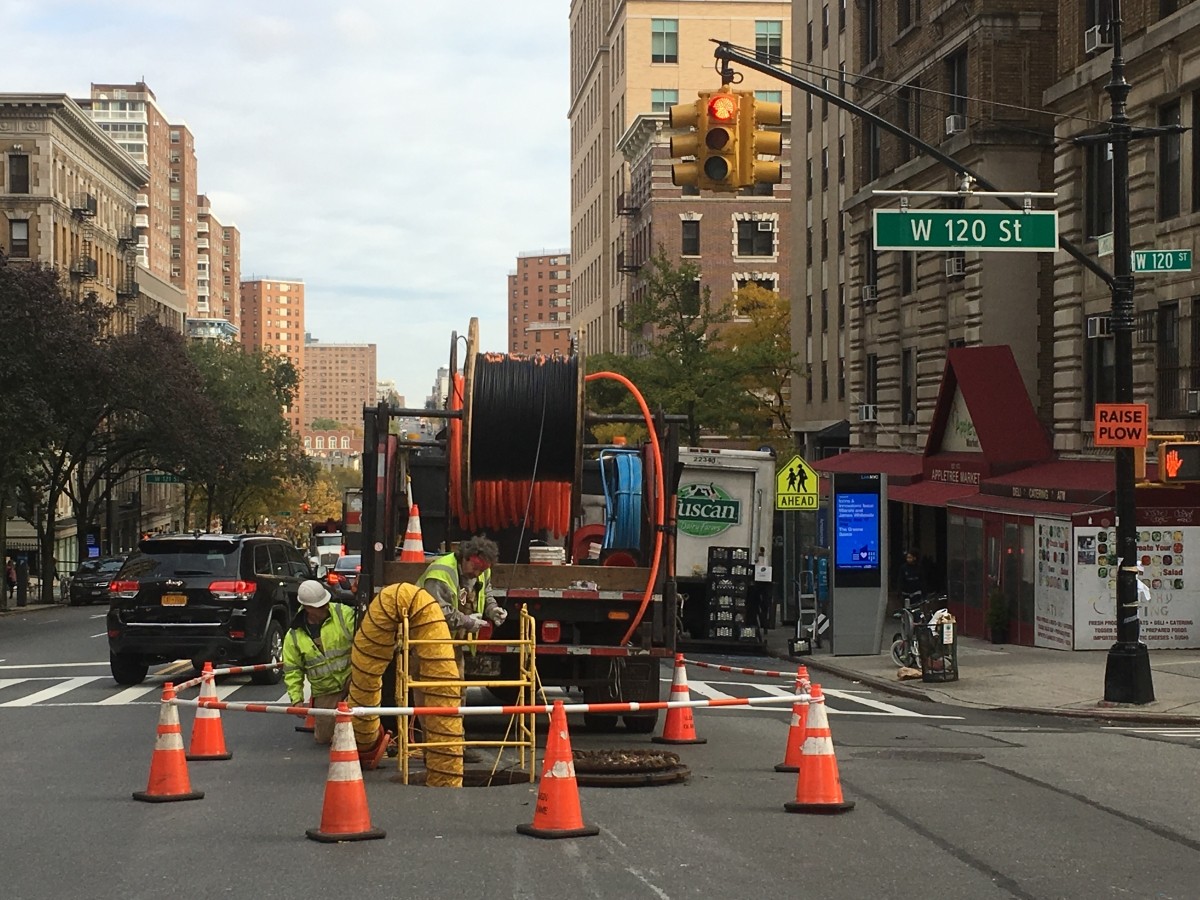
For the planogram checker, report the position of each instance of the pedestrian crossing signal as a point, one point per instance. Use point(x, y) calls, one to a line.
point(1179, 462)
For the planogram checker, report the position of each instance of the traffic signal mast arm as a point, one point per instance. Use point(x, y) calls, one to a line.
point(728, 54)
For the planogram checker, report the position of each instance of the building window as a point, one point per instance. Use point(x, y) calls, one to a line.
point(824, 382)
point(18, 173)
point(755, 241)
point(841, 306)
point(664, 40)
point(824, 239)
point(906, 108)
point(907, 12)
point(808, 163)
point(690, 301)
point(1170, 151)
point(808, 315)
point(908, 265)
point(808, 380)
point(841, 160)
point(956, 77)
point(870, 259)
point(824, 310)
point(1098, 199)
point(1195, 155)
point(871, 379)
point(768, 42)
point(841, 393)
point(871, 169)
point(908, 387)
point(825, 26)
point(690, 237)
point(842, 15)
point(18, 238)
point(175, 137)
point(808, 114)
point(1099, 372)
point(662, 99)
point(824, 168)
point(769, 96)
point(808, 244)
point(1173, 380)
point(808, 41)
point(870, 31)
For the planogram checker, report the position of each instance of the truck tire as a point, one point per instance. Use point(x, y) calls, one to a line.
point(272, 652)
point(127, 669)
point(600, 722)
point(641, 723)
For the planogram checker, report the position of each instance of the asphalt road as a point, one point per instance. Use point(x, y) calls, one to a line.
point(949, 802)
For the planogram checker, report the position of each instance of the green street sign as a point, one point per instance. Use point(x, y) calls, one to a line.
point(961, 229)
point(1162, 260)
point(162, 478)
point(284, 514)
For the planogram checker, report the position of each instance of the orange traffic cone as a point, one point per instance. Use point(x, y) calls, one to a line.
point(414, 546)
point(345, 816)
point(795, 738)
point(208, 734)
point(680, 727)
point(310, 722)
point(557, 813)
point(168, 767)
point(818, 787)
point(370, 759)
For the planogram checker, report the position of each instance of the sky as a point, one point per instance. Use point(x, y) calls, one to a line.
point(395, 155)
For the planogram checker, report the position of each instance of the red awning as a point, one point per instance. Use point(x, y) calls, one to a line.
point(1094, 479)
point(901, 468)
point(1016, 506)
point(930, 493)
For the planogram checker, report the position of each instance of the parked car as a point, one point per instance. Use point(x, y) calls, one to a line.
point(89, 583)
point(224, 598)
point(342, 579)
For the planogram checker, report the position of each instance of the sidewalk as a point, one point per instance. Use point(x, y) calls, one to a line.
point(1026, 679)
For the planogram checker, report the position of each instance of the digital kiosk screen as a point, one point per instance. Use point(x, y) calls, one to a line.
point(856, 553)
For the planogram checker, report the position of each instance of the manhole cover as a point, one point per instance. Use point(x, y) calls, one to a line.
point(919, 755)
point(628, 768)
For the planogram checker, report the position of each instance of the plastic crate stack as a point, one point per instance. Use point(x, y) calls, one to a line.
point(730, 575)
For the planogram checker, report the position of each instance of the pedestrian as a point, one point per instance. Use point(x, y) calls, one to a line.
point(10, 576)
point(461, 582)
point(317, 648)
point(909, 580)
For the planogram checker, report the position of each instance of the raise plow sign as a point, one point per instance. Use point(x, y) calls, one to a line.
point(1122, 424)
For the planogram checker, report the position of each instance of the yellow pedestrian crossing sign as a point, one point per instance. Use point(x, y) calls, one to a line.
point(796, 486)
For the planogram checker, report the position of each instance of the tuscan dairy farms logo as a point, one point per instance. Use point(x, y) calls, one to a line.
point(705, 510)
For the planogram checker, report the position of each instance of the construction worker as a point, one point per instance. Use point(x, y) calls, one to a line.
point(462, 584)
point(317, 647)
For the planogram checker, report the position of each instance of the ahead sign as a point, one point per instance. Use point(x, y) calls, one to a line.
point(1122, 424)
point(961, 229)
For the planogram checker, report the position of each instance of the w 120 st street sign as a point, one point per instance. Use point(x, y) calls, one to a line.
point(961, 229)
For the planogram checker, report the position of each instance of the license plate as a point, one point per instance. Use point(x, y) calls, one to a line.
point(174, 599)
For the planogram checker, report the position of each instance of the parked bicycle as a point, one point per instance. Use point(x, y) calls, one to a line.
point(906, 649)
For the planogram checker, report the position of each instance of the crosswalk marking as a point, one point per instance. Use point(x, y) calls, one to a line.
point(129, 695)
point(53, 691)
point(1182, 731)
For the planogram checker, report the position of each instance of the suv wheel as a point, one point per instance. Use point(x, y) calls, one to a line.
point(272, 653)
point(127, 669)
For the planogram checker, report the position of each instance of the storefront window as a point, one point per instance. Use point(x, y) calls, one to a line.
point(964, 568)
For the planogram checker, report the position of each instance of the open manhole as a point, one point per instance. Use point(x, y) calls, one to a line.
point(628, 768)
point(473, 777)
point(924, 756)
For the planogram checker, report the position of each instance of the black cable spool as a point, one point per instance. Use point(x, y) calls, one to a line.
point(525, 413)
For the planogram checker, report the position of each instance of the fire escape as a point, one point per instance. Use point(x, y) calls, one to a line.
point(127, 286)
point(83, 266)
point(628, 259)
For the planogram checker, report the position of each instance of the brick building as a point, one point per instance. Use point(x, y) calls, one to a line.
point(273, 322)
point(539, 303)
point(339, 380)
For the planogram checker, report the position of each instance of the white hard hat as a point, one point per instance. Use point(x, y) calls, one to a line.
point(312, 593)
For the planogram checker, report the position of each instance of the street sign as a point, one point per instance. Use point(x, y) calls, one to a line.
point(1122, 424)
point(962, 229)
point(162, 478)
point(1162, 260)
point(796, 486)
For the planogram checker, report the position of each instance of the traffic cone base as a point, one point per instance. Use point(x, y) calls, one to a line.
point(310, 722)
point(208, 734)
point(414, 546)
point(818, 785)
point(556, 813)
point(797, 729)
point(370, 759)
point(168, 767)
point(344, 815)
point(680, 726)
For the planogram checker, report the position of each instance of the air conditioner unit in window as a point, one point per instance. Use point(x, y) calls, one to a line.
point(1191, 402)
point(1098, 327)
point(1096, 39)
point(870, 293)
point(955, 125)
point(868, 412)
point(956, 267)
point(766, 226)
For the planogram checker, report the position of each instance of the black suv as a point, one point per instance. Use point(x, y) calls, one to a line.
point(90, 581)
point(224, 598)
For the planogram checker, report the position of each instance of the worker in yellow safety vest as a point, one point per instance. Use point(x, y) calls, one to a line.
point(317, 647)
point(462, 584)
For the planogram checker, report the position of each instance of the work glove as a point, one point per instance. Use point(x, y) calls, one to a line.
point(474, 623)
point(499, 616)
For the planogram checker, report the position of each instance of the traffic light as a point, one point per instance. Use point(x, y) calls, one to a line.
point(756, 141)
point(719, 153)
point(1179, 462)
point(687, 115)
point(304, 507)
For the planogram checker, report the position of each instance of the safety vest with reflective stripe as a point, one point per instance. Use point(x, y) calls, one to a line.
point(445, 570)
point(328, 667)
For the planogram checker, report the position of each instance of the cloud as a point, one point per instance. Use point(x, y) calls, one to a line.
point(395, 156)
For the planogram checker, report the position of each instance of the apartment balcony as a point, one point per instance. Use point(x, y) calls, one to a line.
point(84, 204)
point(143, 201)
point(127, 289)
point(84, 267)
point(143, 242)
point(202, 227)
point(202, 243)
point(141, 220)
point(202, 259)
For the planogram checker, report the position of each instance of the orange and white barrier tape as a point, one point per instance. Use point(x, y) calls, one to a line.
point(766, 673)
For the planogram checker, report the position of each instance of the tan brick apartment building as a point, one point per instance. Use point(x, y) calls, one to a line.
point(339, 380)
point(273, 322)
point(630, 62)
point(539, 303)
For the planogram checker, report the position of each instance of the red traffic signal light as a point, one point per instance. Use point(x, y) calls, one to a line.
point(721, 140)
point(304, 507)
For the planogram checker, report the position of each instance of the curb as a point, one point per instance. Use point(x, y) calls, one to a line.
point(32, 607)
point(882, 684)
point(1105, 715)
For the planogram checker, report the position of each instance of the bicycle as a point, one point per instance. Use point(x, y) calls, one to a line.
point(905, 649)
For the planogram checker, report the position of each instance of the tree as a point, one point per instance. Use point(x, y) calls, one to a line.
point(762, 342)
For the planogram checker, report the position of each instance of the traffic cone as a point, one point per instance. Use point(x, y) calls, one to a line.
point(208, 734)
point(818, 787)
point(414, 547)
point(795, 737)
point(345, 816)
point(557, 813)
point(310, 721)
point(680, 727)
point(168, 766)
